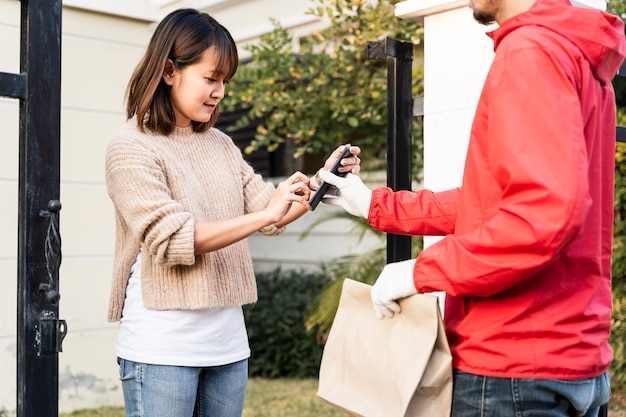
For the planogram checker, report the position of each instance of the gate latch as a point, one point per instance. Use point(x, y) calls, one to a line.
point(50, 334)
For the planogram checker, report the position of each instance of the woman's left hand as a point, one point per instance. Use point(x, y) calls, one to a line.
point(350, 164)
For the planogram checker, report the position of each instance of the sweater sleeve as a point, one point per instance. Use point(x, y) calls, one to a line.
point(136, 184)
point(257, 193)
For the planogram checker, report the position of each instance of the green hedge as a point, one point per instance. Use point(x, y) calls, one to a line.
point(280, 344)
point(618, 325)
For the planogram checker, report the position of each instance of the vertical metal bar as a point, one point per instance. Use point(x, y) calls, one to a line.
point(11, 85)
point(399, 145)
point(39, 172)
point(621, 134)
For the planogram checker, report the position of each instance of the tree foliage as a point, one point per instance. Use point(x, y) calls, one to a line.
point(618, 324)
point(323, 91)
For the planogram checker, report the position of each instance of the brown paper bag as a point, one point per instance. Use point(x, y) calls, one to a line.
point(398, 367)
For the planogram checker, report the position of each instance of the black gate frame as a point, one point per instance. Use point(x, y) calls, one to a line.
point(399, 56)
point(38, 88)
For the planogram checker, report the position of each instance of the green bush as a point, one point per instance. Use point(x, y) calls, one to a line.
point(618, 325)
point(281, 346)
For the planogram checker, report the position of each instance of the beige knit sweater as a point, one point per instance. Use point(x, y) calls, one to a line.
point(160, 186)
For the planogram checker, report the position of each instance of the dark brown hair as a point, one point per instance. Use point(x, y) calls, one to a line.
point(182, 36)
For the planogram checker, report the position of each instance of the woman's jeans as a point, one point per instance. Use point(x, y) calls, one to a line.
point(182, 391)
point(480, 396)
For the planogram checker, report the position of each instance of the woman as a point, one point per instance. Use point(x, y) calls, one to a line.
point(185, 200)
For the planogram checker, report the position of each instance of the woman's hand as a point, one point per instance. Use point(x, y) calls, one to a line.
point(294, 189)
point(351, 164)
point(210, 236)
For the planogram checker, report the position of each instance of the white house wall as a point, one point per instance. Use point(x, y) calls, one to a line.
point(9, 62)
point(247, 20)
point(100, 48)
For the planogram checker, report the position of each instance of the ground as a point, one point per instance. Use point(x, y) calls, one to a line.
point(617, 405)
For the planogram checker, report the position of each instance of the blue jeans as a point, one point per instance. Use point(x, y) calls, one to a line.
point(480, 396)
point(181, 391)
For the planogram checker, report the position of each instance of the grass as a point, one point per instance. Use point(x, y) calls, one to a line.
point(617, 405)
point(264, 398)
point(97, 412)
point(296, 398)
point(286, 398)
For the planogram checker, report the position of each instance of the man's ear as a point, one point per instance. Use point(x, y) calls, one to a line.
point(168, 72)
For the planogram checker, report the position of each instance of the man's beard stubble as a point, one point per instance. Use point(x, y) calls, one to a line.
point(484, 18)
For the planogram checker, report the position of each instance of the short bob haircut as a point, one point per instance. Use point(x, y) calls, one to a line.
point(182, 36)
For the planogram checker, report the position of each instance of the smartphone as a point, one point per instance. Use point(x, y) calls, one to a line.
point(324, 187)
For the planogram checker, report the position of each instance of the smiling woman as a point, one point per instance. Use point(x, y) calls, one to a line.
point(197, 89)
point(188, 54)
point(185, 201)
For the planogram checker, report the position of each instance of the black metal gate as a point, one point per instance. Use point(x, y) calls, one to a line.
point(38, 88)
point(399, 56)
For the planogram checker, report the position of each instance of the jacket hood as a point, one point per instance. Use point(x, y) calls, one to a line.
point(599, 35)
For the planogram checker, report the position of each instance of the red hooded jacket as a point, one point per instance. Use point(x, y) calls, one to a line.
point(526, 258)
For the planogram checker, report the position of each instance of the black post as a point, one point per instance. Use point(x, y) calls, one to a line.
point(621, 131)
point(621, 134)
point(39, 331)
point(399, 57)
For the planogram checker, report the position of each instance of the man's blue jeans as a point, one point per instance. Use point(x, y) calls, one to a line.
point(174, 391)
point(480, 396)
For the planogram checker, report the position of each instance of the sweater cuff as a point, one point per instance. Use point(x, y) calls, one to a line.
point(272, 230)
point(180, 248)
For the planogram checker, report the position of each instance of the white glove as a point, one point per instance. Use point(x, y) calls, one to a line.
point(354, 196)
point(394, 282)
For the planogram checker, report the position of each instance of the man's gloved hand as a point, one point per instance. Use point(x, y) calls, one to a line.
point(354, 196)
point(394, 282)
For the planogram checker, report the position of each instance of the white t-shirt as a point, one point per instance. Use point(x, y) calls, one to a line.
point(205, 337)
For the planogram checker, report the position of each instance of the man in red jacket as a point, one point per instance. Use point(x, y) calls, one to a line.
point(526, 257)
